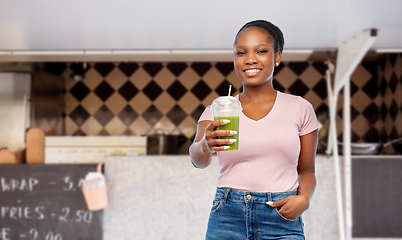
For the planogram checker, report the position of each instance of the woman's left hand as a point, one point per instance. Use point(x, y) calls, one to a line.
point(293, 206)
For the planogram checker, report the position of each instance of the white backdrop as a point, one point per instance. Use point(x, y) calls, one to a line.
point(178, 24)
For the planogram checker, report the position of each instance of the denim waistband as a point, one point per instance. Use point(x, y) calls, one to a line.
point(260, 197)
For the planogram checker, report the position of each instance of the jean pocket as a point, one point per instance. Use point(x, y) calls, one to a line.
point(216, 205)
point(283, 218)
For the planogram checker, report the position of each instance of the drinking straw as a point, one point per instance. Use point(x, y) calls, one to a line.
point(227, 105)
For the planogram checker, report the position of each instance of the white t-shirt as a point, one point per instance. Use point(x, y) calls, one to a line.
point(268, 148)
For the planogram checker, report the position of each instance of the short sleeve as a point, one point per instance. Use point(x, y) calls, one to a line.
point(206, 115)
point(308, 118)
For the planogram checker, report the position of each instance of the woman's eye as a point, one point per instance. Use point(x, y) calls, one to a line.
point(262, 51)
point(240, 53)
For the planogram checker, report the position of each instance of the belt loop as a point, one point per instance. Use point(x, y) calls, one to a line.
point(225, 197)
point(269, 197)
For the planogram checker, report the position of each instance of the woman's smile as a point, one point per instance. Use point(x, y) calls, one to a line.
point(252, 72)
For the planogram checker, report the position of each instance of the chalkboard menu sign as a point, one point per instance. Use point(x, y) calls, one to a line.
point(45, 202)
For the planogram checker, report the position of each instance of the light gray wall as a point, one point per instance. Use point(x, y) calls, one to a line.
point(165, 197)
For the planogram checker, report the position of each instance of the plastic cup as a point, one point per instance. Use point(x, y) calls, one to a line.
point(229, 108)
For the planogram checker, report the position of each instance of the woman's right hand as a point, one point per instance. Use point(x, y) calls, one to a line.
point(206, 142)
point(211, 136)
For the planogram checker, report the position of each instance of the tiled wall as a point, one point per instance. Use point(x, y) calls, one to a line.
point(144, 98)
point(376, 97)
point(390, 89)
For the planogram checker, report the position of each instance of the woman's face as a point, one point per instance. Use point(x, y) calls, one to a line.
point(254, 57)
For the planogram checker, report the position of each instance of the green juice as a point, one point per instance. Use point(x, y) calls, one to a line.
point(233, 125)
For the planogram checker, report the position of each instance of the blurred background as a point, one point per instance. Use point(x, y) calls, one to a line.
point(153, 66)
point(147, 69)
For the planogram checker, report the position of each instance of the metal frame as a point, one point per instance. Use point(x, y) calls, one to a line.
point(350, 53)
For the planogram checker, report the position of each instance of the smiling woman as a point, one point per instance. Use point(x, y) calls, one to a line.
point(266, 184)
point(255, 57)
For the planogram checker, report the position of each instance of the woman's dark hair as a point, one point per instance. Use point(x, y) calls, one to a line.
point(271, 29)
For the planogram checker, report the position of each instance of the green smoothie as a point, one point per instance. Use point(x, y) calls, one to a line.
point(233, 125)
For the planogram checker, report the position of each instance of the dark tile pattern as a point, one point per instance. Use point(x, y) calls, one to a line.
point(128, 115)
point(321, 67)
point(278, 69)
point(381, 87)
point(104, 68)
point(197, 112)
point(321, 89)
point(79, 115)
point(152, 68)
point(383, 111)
point(104, 91)
point(176, 115)
point(370, 88)
point(381, 63)
point(201, 67)
point(152, 115)
point(393, 82)
point(298, 67)
point(371, 67)
point(299, 88)
point(103, 115)
point(392, 59)
point(177, 68)
point(103, 132)
point(394, 110)
point(80, 68)
point(201, 90)
point(323, 108)
point(55, 67)
point(176, 90)
point(372, 113)
point(373, 135)
point(80, 91)
point(128, 132)
point(394, 134)
point(277, 85)
point(354, 136)
point(225, 68)
point(79, 132)
point(390, 109)
point(128, 91)
point(353, 88)
point(152, 90)
point(128, 68)
point(383, 135)
point(353, 113)
point(223, 88)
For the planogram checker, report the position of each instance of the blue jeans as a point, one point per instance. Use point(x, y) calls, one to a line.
point(245, 215)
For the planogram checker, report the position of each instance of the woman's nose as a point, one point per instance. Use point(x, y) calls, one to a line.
point(251, 59)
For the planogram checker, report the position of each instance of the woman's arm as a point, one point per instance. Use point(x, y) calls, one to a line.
point(306, 166)
point(294, 206)
point(206, 142)
point(200, 154)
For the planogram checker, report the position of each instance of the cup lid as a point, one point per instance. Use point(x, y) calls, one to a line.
point(224, 102)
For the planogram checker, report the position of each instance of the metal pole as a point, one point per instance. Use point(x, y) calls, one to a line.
point(347, 159)
point(332, 100)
